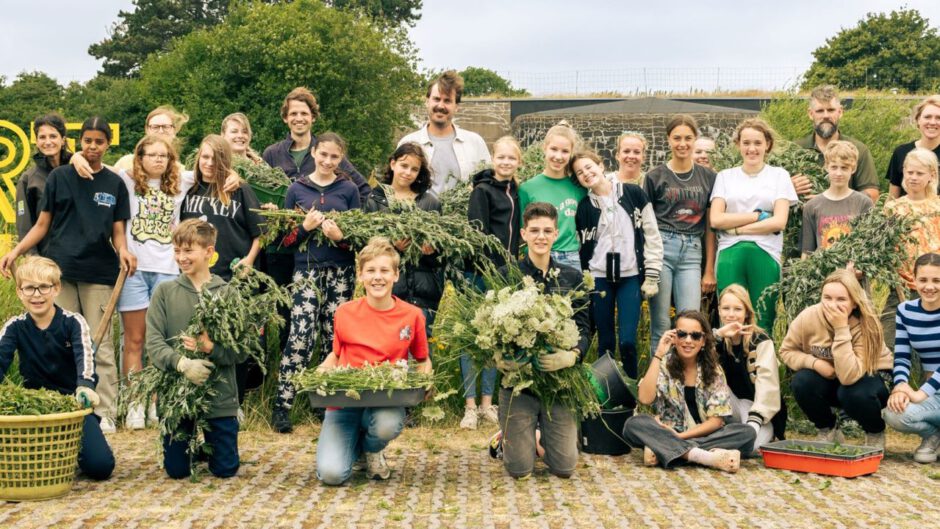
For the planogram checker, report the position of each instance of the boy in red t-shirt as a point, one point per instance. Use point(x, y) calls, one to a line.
point(374, 329)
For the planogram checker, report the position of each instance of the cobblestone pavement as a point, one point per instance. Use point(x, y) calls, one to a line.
point(445, 479)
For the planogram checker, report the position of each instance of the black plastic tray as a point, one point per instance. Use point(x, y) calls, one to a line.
point(786, 447)
point(369, 399)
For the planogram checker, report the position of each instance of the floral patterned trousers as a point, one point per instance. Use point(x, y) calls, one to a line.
point(312, 317)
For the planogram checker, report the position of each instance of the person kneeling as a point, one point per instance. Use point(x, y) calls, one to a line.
point(373, 329)
point(686, 387)
point(55, 353)
point(171, 310)
point(522, 416)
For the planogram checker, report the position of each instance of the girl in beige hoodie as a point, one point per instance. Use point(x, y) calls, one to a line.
point(837, 351)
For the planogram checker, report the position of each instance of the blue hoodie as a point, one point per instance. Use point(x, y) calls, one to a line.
point(341, 195)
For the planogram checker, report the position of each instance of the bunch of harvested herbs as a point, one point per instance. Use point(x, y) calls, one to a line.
point(233, 316)
point(352, 380)
point(452, 237)
point(260, 174)
point(456, 201)
point(874, 244)
point(17, 400)
point(515, 320)
point(833, 449)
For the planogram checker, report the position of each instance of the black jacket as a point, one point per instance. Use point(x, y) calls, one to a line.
point(633, 200)
point(278, 155)
point(421, 285)
point(494, 206)
point(29, 191)
point(563, 279)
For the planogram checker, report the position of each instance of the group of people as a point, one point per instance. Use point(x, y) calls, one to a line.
point(669, 235)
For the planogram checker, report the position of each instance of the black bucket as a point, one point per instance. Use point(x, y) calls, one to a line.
point(604, 434)
point(612, 380)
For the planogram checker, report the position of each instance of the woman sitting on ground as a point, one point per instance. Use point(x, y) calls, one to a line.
point(686, 387)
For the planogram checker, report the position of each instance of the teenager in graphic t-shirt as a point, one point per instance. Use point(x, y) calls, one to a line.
point(84, 220)
point(679, 191)
point(231, 213)
point(554, 186)
point(373, 329)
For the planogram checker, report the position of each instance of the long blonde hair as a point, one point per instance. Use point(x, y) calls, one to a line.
point(222, 166)
point(750, 318)
point(872, 333)
point(169, 180)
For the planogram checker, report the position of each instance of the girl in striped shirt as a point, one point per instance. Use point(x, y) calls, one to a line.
point(918, 329)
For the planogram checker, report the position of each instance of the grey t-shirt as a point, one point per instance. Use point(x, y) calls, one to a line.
point(680, 201)
point(826, 220)
point(445, 170)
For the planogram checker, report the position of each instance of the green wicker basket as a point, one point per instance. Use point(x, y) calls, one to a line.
point(38, 454)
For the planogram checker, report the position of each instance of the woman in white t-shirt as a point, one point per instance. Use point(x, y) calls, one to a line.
point(749, 209)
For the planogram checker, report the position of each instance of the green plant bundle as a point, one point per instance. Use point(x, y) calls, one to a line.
point(17, 400)
point(352, 380)
point(456, 201)
point(515, 320)
point(260, 174)
point(834, 449)
point(233, 316)
point(875, 244)
point(452, 237)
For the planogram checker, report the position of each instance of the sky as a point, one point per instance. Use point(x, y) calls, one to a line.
point(546, 46)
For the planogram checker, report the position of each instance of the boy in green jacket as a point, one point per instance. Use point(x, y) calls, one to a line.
point(171, 309)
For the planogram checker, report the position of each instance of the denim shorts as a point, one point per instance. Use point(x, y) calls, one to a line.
point(138, 289)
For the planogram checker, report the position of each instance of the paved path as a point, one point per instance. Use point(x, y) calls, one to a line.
point(445, 479)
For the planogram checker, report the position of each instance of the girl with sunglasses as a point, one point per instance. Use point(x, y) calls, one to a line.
point(686, 388)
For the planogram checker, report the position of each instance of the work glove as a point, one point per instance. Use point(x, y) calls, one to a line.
point(195, 370)
point(650, 287)
point(87, 397)
point(557, 360)
point(507, 366)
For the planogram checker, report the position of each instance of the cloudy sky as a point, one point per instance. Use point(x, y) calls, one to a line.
point(544, 45)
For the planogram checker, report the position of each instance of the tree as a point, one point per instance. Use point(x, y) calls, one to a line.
point(484, 82)
point(897, 50)
point(31, 95)
point(150, 27)
point(395, 12)
point(364, 77)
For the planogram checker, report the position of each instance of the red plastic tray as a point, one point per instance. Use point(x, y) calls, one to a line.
point(782, 456)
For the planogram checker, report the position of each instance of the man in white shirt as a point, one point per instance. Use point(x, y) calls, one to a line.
point(455, 153)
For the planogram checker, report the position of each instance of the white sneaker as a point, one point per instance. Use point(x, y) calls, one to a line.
point(377, 466)
point(135, 417)
point(152, 419)
point(471, 417)
point(490, 414)
point(927, 451)
point(107, 425)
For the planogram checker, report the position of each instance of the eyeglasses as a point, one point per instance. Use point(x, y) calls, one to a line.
point(695, 335)
point(161, 128)
point(32, 290)
point(157, 156)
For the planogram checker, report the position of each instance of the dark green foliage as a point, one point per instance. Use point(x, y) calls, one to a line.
point(484, 82)
point(16, 400)
point(883, 52)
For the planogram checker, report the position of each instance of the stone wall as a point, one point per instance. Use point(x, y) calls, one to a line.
point(487, 117)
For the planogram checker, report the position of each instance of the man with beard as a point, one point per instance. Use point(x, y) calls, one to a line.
point(455, 153)
point(825, 110)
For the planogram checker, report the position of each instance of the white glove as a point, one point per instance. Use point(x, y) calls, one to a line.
point(87, 396)
point(195, 370)
point(557, 360)
point(650, 287)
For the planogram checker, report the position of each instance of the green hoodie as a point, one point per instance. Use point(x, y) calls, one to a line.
point(171, 309)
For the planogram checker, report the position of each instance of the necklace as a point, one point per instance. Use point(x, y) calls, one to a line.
point(675, 174)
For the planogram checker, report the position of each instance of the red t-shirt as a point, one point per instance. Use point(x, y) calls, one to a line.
point(362, 334)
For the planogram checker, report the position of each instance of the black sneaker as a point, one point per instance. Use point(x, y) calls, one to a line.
point(280, 421)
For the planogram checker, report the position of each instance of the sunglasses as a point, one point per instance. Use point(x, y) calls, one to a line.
point(695, 335)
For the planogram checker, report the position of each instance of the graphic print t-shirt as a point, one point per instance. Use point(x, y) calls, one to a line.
point(83, 216)
point(237, 224)
point(154, 216)
point(825, 221)
point(680, 202)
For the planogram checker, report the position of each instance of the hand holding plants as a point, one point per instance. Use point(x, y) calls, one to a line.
point(201, 343)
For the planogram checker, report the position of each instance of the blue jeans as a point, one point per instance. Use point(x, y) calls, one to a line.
point(469, 373)
point(222, 438)
point(347, 432)
point(625, 294)
point(680, 280)
point(922, 418)
point(570, 259)
point(95, 458)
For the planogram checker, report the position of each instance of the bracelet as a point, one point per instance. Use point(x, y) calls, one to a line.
point(734, 231)
point(658, 357)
